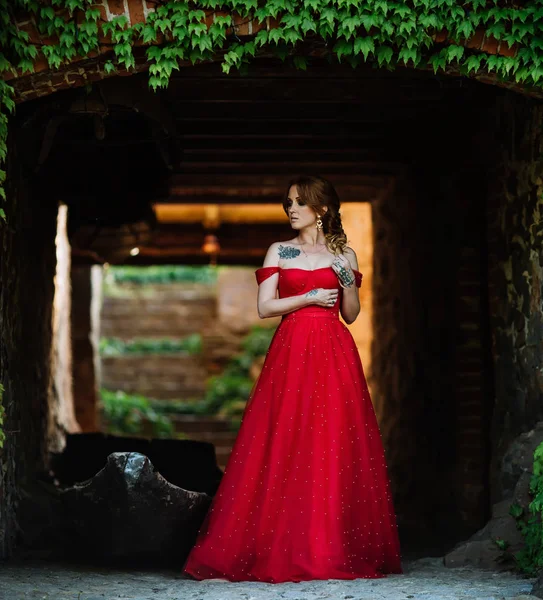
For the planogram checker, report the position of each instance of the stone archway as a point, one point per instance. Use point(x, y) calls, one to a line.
point(489, 309)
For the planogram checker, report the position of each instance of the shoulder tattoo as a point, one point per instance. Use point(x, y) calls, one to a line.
point(288, 252)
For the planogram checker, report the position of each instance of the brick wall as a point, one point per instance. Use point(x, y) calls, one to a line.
point(82, 71)
point(222, 314)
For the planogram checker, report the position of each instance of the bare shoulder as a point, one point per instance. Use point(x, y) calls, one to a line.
point(350, 255)
point(272, 255)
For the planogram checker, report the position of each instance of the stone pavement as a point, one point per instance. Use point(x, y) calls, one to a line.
point(424, 579)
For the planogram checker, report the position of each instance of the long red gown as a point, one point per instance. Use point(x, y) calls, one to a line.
point(305, 493)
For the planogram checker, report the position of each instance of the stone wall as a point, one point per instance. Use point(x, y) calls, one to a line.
point(515, 218)
point(61, 414)
point(27, 269)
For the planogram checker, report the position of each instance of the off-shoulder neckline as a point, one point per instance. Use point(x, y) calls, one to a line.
point(300, 269)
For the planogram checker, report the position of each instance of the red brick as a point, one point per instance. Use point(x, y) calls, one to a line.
point(242, 25)
point(32, 32)
point(258, 26)
point(116, 7)
point(506, 50)
point(209, 18)
point(490, 45)
point(440, 36)
point(136, 11)
point(273, 23)
point(41, 64)
point(476, 40)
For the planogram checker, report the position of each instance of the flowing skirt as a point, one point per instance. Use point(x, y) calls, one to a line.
point(305, 493)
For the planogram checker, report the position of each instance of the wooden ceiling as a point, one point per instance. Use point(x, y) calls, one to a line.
point(239, 138)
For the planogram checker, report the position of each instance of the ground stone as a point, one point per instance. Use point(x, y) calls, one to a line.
point(423, 579)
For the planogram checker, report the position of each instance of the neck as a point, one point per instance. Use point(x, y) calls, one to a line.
point(312, 237)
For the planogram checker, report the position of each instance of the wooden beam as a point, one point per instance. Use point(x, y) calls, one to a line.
point(252, 214)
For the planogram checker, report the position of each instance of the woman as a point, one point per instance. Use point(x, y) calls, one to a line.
point(305, 493)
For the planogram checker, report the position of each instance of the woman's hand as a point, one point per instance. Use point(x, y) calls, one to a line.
point(322, 296)
point(344, 271)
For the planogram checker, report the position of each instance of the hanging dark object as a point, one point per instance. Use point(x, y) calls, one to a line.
point(111, 238)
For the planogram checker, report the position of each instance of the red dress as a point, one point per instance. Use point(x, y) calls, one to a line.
point(305, 493)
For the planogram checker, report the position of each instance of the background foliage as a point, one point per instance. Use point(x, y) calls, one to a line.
point(383, 32)
point(191, 344)
point(530, 558)
point(162, 274)
point(226, 395)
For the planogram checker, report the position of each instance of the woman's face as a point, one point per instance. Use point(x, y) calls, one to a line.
point(300, 214)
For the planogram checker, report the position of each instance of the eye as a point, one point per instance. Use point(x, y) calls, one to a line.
point(301, 203)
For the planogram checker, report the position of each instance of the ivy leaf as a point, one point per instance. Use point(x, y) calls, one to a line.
point(261, 37)
point(109, 67)
point(308, 24)
point(407, 54)
point(383, 6)
point(438, 61)
point(474, 62)
point(455, 52)
point(343, 48)
point(292, 36)
point(384, 54)
point(275, 35)
point(351, 24)
point(330, 15)
point(47, 12)
point(27, 66)
point(300, 62)
point(92, 14)
point(369, 21)
point(364, 45)
point(148, 34)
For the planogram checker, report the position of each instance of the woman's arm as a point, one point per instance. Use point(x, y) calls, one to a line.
point(350, 303)
point(270, 306)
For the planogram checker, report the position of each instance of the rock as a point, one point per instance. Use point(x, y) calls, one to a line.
point(188, 464)
point(537, 590)
point(129, 511)
point(518, 459)
point(481, 549)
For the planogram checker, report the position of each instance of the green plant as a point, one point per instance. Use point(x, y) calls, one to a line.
point(228, 392)
point(162, 274)
point(383, 32)
point(126, 414)
point(530, 559)
point(191, 344)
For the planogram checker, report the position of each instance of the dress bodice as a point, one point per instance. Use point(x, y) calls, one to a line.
point(294, 282)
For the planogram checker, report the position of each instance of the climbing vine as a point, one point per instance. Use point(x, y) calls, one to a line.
point(384, 32)
point(530, 523)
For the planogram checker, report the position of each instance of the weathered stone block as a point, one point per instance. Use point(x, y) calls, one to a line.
point(129, 511)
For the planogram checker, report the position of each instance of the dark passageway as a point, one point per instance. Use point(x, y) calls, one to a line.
point(407, 143)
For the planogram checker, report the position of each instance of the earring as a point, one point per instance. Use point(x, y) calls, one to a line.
point(319, 223)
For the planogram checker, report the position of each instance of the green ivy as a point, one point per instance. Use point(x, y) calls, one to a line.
point(384, 32)
point(530, 559)
point(127, 414)
point(162, 274)
point(227, 393)
point(191, 344)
